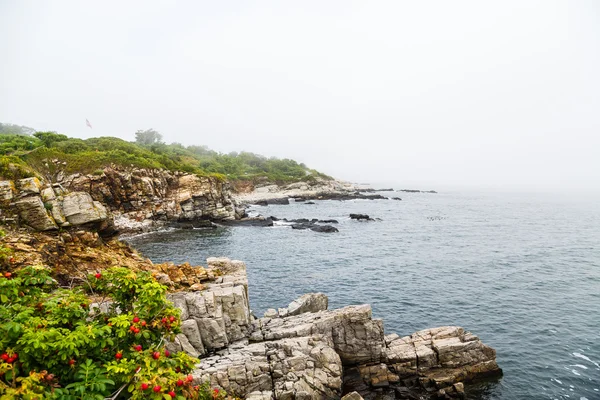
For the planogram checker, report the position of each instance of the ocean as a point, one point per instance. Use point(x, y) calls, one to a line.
point(521, 271)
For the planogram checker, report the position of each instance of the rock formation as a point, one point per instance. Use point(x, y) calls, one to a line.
point(305, 351)
point(143, 199)
point(45, 208)
point(135, 200)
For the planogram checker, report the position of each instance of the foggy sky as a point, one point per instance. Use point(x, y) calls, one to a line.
point(421, 94)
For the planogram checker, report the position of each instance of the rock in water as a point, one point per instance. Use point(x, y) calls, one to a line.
point(305, 351)
point(324, 228)
point(359, 217)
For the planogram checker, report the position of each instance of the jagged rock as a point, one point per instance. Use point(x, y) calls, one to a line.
point(352, 396)
point(142, 199)
point(305, 351)
point(271, 313)
point(79, 208)
point(7, 190)
point(48, 194)
point(310, 302)
point(33, 213)
point(29, 186)
point(293, 368)
point(357, 338)
point(190, 329)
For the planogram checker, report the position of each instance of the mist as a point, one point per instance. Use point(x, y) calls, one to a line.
point(425, 94)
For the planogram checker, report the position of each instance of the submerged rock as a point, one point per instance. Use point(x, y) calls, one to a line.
point(360, 217)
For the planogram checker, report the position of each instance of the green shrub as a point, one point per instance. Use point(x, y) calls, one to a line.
point(13, 168)
point(54, 346)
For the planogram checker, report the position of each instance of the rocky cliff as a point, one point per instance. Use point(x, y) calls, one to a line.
point(305, 351)
point(128, 200)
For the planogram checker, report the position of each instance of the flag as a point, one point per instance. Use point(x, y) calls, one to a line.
point(88, 123)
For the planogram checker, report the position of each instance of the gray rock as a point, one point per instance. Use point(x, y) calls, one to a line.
point(29, 186)
point(190, 329)
point(79, 209)
point(33, 213)
point(302, 351)
point(310, 302)
point(7, 190)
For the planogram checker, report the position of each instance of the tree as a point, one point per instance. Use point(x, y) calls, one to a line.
point(148, 137)
point(49, 138)
point(11, 129)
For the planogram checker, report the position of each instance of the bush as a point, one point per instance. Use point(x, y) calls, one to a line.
point(13, 168)
point(54, 346)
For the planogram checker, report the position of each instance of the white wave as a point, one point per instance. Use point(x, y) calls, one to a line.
point(579, 366)
point(579, 355)
point(557, 381)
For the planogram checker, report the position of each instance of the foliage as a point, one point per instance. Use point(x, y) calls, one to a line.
point(11, 129)
point(51, 153)
point(54, 345)
point(13, 168)
point(148, 137)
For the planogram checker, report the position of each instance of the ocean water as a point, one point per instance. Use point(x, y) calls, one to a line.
point(520, 271)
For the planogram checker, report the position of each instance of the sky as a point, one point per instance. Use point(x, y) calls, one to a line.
point(426, 94)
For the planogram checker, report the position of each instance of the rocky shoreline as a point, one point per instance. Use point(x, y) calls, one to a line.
point(305, 351)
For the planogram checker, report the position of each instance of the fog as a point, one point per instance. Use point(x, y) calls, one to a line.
point(435, 94)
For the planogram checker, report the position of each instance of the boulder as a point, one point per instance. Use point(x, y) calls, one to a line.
point(79, 208)
point(7, 190)
point(352, 396)
point(359, 217)
point(29, 186)
point(310, 302)
point(33, 213)
point(324, 228)
point(305, 351)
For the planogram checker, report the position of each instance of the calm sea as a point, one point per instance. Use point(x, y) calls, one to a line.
point(520, 271)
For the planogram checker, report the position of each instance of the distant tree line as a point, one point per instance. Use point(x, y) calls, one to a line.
point(43, 150)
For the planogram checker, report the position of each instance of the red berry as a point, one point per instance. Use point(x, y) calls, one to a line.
point(167, 353)
point(171, 318)
point(119, 355)
point(179, 382)
point(164, 320)
point(144, 386)
point(4, 356)
point(178, 370)
point(132, 328)
point(138, 347)
point(10, 360)
point(136, 330)
point(136, 320)
point(98, 275)
point(190, 378)
point(15, 355)
point(143, 323)
point(156, 388)
point(71, 362)
point(156, 355)
point(8, 275)
point(11, 260)
point(172, 394)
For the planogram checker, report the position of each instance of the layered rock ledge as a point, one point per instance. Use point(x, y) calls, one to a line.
point(306, 351)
